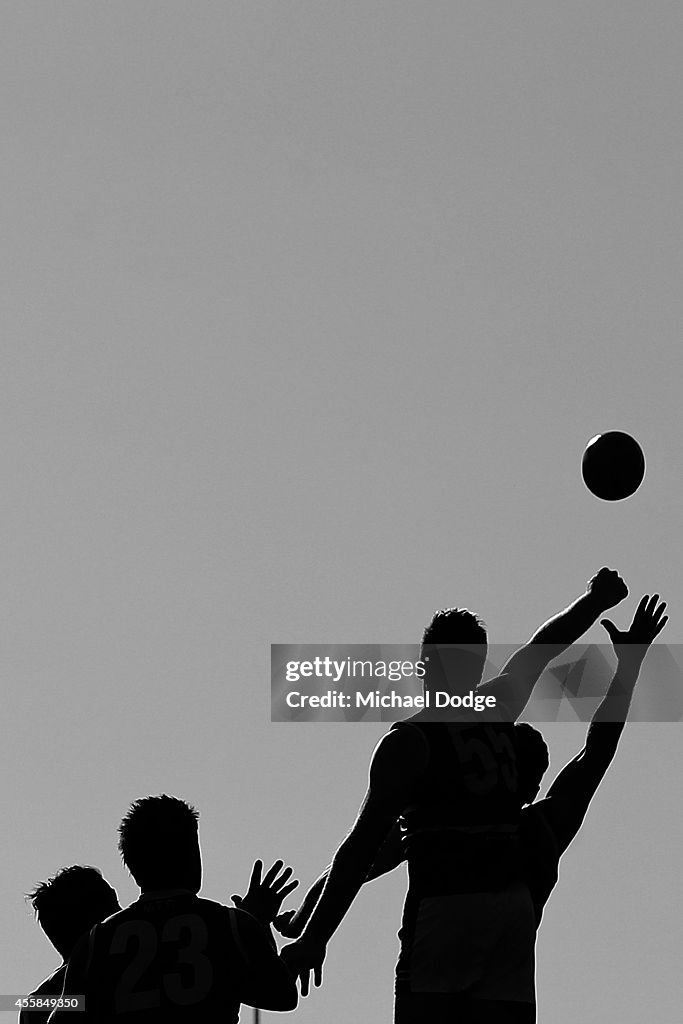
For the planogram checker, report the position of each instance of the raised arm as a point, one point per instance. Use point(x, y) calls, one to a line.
point(572, 791)
point(397, 766)
point(513, 687)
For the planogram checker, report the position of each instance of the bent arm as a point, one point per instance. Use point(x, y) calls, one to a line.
point(390, 855)
point(397, 766)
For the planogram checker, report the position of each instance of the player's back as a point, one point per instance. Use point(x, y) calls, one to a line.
point(461, 830)
point(169, 957)
point(468, 924)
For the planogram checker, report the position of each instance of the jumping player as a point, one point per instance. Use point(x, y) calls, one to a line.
point(172, 956)
point(547, 827)
point(455, 785)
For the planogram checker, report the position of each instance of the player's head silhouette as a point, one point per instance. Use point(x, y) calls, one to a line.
point(159, 844)
point(531, 751)
point(454, 648)
point(70, 903)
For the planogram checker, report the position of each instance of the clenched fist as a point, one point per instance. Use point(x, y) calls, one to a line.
point(608, 588)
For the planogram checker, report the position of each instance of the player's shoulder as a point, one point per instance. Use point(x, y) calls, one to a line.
point(156, 912)
point(53, 984)
point(402, 753)
point(211, 909)
point(141, 908)
point(109, 924)
point(181, 903)
point(405, 738)
point(209, 905)
point(498, 711)
point(250, 935)
point(244, 921)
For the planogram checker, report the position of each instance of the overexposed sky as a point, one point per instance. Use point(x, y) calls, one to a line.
point(309, 310)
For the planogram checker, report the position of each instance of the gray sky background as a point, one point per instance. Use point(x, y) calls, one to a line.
point(309, 310)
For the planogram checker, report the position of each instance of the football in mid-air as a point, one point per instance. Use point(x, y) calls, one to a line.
point(613, 465)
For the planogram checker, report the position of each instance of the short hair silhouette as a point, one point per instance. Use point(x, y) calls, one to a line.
point(450, 629)
point(533, 760)
point(70, 903)
point(159, 842)
point(455, 626)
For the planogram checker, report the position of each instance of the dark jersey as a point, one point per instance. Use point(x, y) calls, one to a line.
point(166, 958)
point(52, 986)
point(461, 827)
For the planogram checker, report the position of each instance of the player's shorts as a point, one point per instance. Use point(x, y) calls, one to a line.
point(452, 1008)
point(480, 945)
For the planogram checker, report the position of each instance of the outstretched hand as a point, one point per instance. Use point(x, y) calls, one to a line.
point(302, 958)
point(648, 622)
point(266, 895)
point(608, 588)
